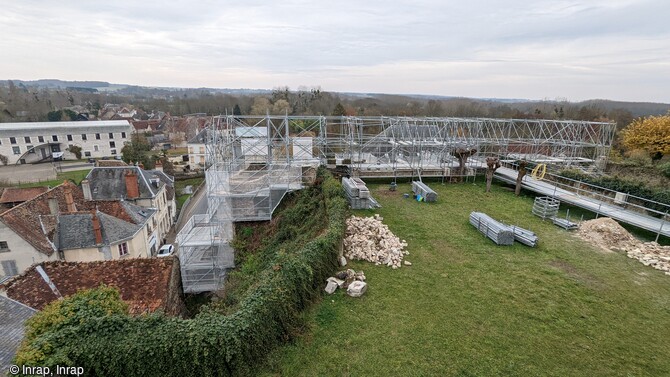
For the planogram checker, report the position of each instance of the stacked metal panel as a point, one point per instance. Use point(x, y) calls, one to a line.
point(420, 188)
point(363, 191)
point(545, 207)
point(500, 233)
point(350, 187)
point(358, 194)
point(565, 223)
point(524, 236)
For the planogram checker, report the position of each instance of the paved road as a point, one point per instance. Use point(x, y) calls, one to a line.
point(16, 174)
point(196, 206)
point(594, 205)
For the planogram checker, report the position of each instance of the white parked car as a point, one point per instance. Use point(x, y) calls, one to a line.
point(165, 250)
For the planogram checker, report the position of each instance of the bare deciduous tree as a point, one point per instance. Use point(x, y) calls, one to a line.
point(492, 164)
point(519, 177)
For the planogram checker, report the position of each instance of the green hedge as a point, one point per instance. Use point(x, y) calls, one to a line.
point(664, 168)
point(622, 185)
point(212, 344)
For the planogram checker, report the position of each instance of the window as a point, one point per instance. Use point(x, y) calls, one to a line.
point(111, 135)
point(87, 153)
point(4, 247)
point(40, 139)
point(69, 137)
point(123, 249)
point(123, 135)
point(30, 148)
point(95, 148)
point(112, 144)
point(113, 152)
point(97, 136)
point(26, 139)
point(16, 150)
point(202, 150)
point(83, 137)
point(55, 148)
point(54, 137)
point(12, 140)
point(9, 267)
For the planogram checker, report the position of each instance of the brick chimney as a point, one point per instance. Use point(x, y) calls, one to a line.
point(141, 165)
point(159, 165)
point(97, 231)
point(132, 185)
point(86, 188)
point(69, 200)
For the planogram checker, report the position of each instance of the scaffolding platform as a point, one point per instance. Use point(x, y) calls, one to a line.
point(254, 161)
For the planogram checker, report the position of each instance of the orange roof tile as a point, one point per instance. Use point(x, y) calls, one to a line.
point(18, 194)
point(143, 282)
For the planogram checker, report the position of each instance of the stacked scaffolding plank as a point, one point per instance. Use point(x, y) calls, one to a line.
point(500, 233)
point(524, 236)
point(420, 188)
point(358, 194)
point(564, 223)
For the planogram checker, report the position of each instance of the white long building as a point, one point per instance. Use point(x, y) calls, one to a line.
point(32, 142)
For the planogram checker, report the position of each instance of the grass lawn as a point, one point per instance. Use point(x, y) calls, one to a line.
point(176, 151)
point(180, 184)
point(470, 308)
point(77, 176)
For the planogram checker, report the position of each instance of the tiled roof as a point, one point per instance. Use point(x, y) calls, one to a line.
point(73, 125)
point(202, 137)
point(34, 221)
point(168, 180)
point(144, 124)
point(75, 231)
point(13, 315)
point(143, 282)
point(17, 194)
point(110, 183)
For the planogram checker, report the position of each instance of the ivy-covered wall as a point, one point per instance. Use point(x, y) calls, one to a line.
point(211, 344)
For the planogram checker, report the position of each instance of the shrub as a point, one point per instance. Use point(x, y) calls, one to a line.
point(75, 150)
point(639, 157)
point(635, 188)
point(84, 305)
point(664, 168)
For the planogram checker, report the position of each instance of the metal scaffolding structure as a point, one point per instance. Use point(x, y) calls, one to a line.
point(253, 161)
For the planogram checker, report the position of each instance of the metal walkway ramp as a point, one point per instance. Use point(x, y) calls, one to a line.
point(618, 212)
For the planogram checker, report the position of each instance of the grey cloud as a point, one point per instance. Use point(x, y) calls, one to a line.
point(438, 47)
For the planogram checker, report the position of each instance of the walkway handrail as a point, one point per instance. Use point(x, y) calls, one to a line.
point(595, 187)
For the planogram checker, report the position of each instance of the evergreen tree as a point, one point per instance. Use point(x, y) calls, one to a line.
point(339, 110)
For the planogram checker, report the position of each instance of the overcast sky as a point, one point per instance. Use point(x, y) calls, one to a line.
point(575, 50)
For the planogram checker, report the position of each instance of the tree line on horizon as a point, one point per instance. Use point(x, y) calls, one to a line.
point(32, 103)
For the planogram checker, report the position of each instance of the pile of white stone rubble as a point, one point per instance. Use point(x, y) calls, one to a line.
point(609, 235)
point(368, 239)
point(352, 281)
point(652, 254)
